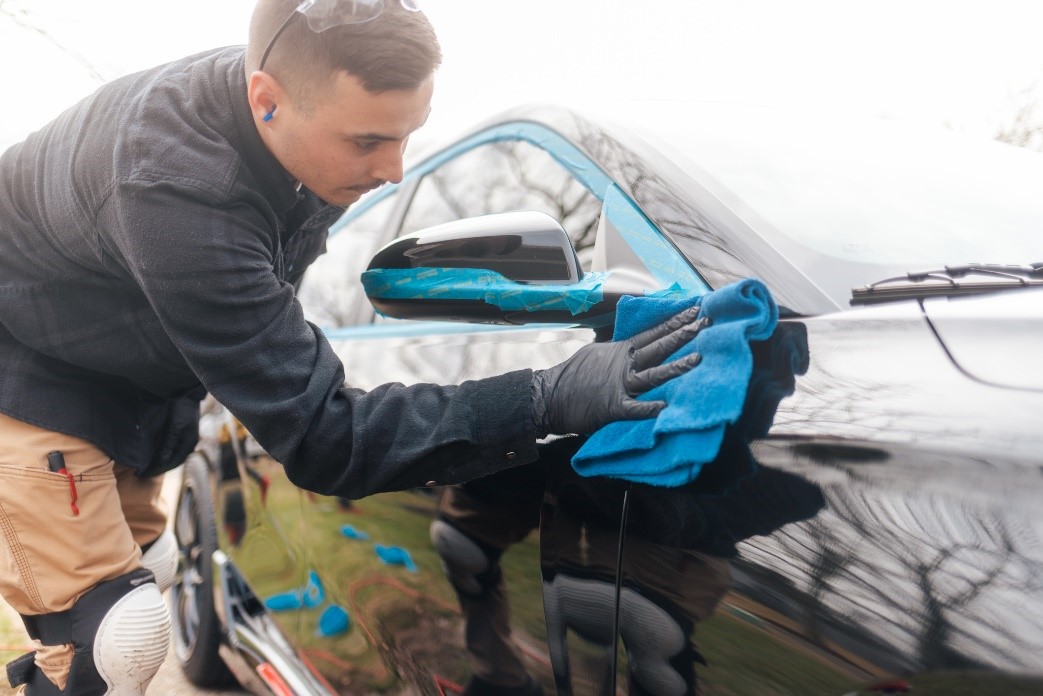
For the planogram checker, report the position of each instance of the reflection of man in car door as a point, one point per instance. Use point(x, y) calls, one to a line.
point(477, 522)
point(150, 240)
point(673, 575)
point(665, 593)
point(674, 568)
point(675, 554)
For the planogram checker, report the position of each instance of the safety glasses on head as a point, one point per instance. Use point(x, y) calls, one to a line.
point(326, 14)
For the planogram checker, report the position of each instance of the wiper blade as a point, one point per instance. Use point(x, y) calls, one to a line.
point(948, 281)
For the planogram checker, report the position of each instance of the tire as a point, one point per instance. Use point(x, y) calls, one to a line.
point(196, 627)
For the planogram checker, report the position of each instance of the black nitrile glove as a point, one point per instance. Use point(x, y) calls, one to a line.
point(598, 384)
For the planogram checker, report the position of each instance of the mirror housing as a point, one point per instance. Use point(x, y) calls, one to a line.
point(527, 247)
point(506, 268)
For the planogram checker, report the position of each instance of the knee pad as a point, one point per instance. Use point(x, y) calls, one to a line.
point(120, 630)
point(658, 647)
point(161, 558)
point(659, 651)
point(471, 567)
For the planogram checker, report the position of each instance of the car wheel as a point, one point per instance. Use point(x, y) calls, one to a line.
point(197, 631)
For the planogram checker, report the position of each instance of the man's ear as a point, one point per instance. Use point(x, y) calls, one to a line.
point(264, 94)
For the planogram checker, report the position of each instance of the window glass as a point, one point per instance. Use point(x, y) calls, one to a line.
point(331, 291)
point(850, 202)
point(503, 177)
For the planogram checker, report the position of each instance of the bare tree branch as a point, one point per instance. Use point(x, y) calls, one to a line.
point(22, 18)
point(1026, 130)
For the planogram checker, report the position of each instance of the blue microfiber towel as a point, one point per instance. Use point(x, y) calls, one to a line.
point(671, 449)
point(352, 533)
point(395, 555)
point(333, 621)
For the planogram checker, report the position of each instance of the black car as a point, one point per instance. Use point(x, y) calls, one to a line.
point(871, 522)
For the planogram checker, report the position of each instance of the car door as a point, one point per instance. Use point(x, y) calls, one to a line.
point(587, 585)
point(430, 576)
point(258, 522)
point(376, 557)
point(626, 576)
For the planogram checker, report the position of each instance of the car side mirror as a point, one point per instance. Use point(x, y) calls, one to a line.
point(507, 268)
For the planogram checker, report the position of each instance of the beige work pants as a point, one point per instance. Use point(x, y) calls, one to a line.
point(50, 556)
point(487, 632)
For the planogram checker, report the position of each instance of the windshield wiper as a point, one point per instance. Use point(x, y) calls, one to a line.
point(967, 279)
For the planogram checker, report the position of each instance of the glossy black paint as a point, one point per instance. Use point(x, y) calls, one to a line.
point(871, 525)
point(904, 534)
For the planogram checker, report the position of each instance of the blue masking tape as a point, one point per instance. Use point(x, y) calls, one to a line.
point(407, 328)
point(478, 284)
point(658, 254)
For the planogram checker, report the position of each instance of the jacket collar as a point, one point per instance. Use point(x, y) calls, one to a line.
point(274, 182)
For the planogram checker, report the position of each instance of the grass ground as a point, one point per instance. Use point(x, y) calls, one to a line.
point(13, 642)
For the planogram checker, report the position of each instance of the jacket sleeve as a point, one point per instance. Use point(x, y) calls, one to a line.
point(208, 270)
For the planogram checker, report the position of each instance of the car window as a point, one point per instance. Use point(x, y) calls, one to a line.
point(501, 177)
point(331, 292)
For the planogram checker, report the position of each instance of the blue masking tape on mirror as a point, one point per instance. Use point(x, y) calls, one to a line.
point(480, 284)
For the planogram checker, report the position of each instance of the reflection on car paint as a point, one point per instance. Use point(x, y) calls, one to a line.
point(674, 567)
point(870, 525)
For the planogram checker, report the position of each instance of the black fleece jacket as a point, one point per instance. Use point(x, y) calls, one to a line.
point(149, 246)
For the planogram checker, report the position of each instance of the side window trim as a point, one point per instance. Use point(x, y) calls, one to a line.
point(654, 250)
point(578, 165)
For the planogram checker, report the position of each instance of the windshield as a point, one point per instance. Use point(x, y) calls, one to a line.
point(850, 204)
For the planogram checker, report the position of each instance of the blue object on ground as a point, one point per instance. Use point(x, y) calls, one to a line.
point(671, 449)
point(311, 595)
point(284, 601)
point(395, 555)
point(352, 533)
point(334, 620)
point(314, 593)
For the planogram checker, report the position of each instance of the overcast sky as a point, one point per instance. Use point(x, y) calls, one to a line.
point(947, 62)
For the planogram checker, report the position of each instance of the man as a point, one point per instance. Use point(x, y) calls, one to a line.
point(150, 240)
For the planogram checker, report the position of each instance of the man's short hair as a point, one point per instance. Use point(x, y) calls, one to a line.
point(397, 50)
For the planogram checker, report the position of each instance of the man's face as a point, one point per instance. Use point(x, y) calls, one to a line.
point(350, 141)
